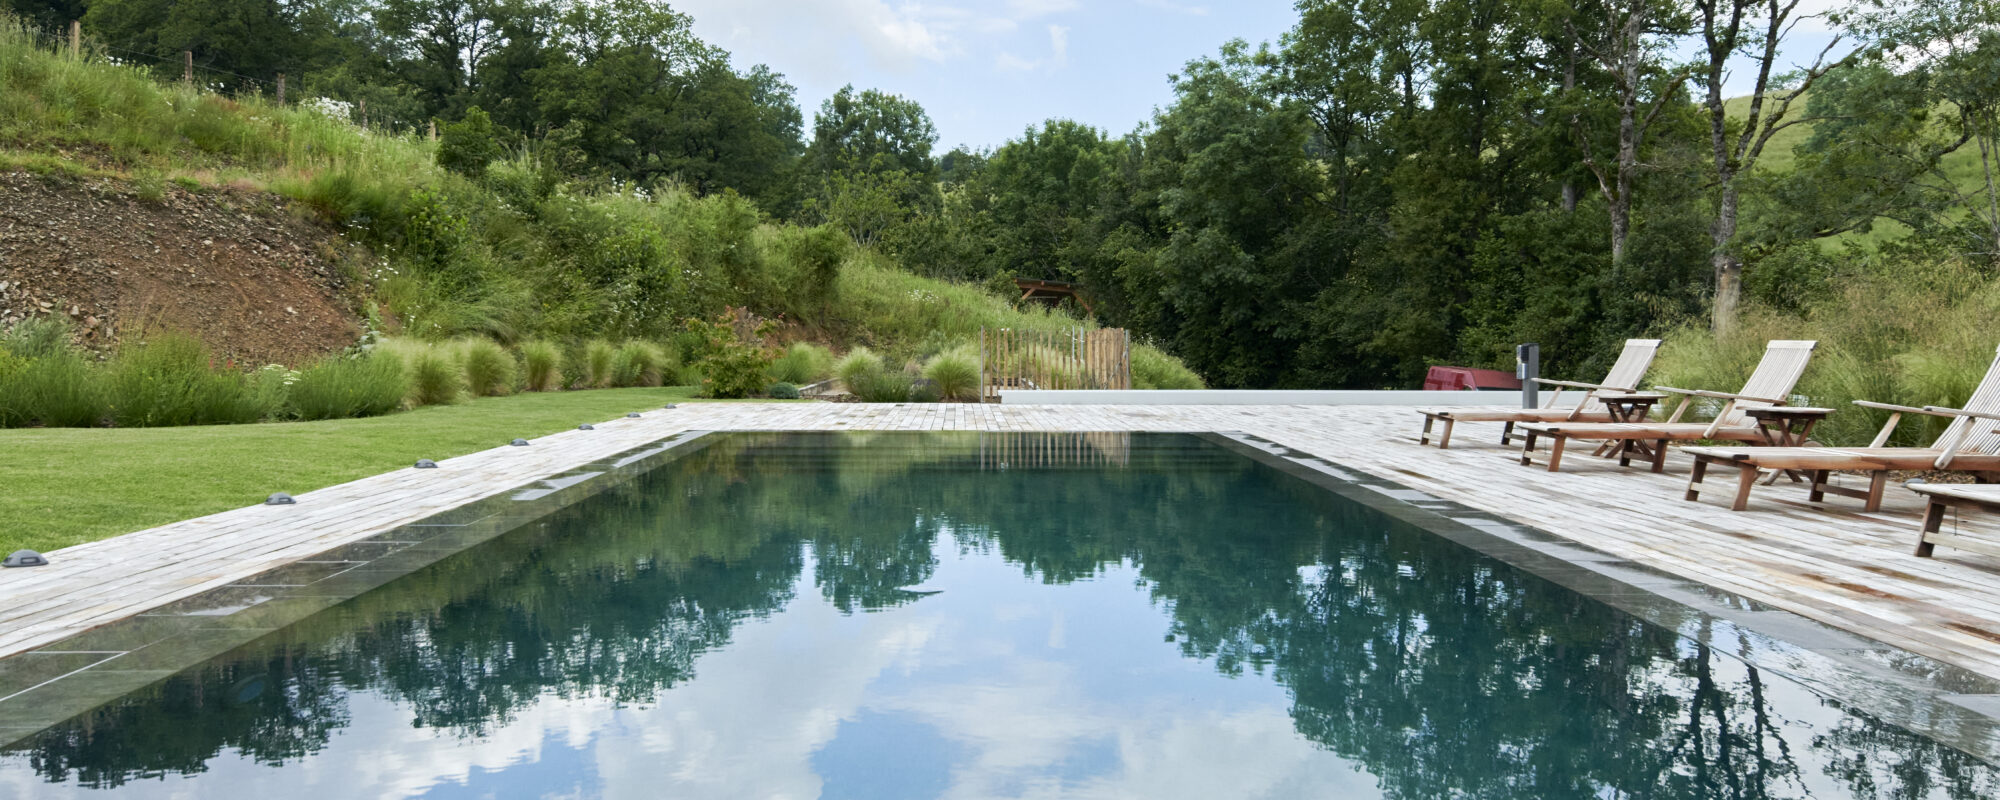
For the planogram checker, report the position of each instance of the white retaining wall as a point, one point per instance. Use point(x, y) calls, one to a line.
point(1274, 397)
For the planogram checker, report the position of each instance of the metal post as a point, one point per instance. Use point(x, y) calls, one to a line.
point(1528, 367)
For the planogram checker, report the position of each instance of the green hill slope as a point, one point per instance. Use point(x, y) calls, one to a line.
point(516, 253)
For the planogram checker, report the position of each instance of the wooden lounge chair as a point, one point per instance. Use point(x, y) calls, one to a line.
point(1965, 446)
point(1770, 385)
point(1942, 497)
point(1624, 377)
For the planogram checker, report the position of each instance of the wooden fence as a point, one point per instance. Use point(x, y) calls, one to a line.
point(1076, 358)
point(1024, 450)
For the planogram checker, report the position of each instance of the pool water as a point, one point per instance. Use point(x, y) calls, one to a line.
point(961, 615)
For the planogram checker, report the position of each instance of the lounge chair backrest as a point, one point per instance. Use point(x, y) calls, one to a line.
point(1625, 374)
point(1980, 438)
point(1784, 361)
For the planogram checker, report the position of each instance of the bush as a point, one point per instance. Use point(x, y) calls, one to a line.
point(855, 366)
point(639, 364)
point(733, 364)
point(341, 387)
point(599, 362)
point(468, 145)
point(802, 363)
point(955, 374)
point(169, 381)
point(542, 364)
point(784, 391)
point(489, 368)
point(925, 390)
point(43, 381)
point(881, 386)
point(1152, 369)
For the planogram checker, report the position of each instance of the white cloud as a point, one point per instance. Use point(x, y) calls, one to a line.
point(1030, 9)
point(1175, 8)
point(1059, 44)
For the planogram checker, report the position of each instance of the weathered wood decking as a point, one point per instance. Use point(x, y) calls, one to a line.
point(1833, 563)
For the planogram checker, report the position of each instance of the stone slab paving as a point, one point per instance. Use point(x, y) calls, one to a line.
point(1828, 562)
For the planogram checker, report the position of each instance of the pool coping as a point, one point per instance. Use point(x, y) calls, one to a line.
point(1945, 703)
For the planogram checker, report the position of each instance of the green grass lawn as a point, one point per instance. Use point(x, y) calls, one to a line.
point(65, 486)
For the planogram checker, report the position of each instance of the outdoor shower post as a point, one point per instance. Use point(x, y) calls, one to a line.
point(1528, 367)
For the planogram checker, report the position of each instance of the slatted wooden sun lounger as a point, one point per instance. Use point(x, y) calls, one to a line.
point(1624, 376)
point(1770, 385)
point(1967, 445)
point(1945, 496)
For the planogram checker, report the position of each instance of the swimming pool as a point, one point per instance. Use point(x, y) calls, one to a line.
point(956, 615)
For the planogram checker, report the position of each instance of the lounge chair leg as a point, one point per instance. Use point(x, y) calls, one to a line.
point(1507, 434)
point(1660, 456)
point(1877, 482)
point(1425, 437)
point(1556, 453)
point(1694, 479)
point(1745, 481)
point(1818, 485)
point(1528, 450)
point(1444, 439)
point(1933, 520)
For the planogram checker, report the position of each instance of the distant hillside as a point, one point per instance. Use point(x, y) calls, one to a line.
point(256, 204)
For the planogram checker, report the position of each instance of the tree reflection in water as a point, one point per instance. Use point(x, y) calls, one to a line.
point(1443, 673)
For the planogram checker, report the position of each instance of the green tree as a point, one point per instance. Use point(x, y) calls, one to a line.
point(469, 145)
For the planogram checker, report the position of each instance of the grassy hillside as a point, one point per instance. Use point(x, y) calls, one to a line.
point(517, 253)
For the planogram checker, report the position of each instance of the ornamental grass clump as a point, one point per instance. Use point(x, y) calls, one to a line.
point(169, 381)
point(352, 386)
point(955, 373)
point(45, 381)
point(541, 366)
point(802, 363)
point(489, 368)
point(639, 364)
point(856, 366)
point(599, 362)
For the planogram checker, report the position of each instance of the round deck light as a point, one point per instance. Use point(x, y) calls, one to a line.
point(586, 427)
point(633, 415)
point(425, 463)
point(671, 405)
point(279, 499)
point(25, 558)
point(519, 443)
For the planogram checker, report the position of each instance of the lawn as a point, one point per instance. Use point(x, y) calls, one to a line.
point(65, 486)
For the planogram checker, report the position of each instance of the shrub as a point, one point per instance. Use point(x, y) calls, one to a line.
point(489, 368)
point(802, 363)
point(468, 145)
point(639, 364)
point(881, 386)
point(857, 364)
point(925, 390)
point(955, 374)
point(169, 381)
point(784, 391)
point(599, 360)
point(541, 368)
point(733, 364)
point(341, 387)
point(1152, 369)
point(58, 389)
point(435, 378)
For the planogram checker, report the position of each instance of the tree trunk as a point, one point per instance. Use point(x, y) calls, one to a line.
point(1728, 268)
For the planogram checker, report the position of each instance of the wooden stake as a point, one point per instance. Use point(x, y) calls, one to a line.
point(75, 39)
point(281, 88)
point(434, 130)
point(364, 113)
point(187, 67)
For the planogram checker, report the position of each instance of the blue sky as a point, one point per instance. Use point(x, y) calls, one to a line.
point(987, 70)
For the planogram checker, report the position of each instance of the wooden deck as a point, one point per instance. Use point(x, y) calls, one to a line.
point(1830, 563)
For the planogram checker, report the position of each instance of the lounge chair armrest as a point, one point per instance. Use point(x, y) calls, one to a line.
point(1572, 384)
point(1719, 395)
point(1901, 409)
point(1960, 412)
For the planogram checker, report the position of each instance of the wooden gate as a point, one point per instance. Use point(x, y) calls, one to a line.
point(1077, 358)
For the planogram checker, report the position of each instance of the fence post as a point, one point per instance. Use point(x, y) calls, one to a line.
point(364, 113)
point(75, 39)
point(281, 88)
point(187, 67)
point(981, 388)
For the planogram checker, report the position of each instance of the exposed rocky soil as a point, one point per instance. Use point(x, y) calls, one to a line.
point(256, 282)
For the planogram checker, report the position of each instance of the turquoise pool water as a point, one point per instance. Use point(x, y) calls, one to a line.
point(955, 615)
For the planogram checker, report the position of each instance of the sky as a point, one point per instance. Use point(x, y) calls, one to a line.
point(986, 71)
